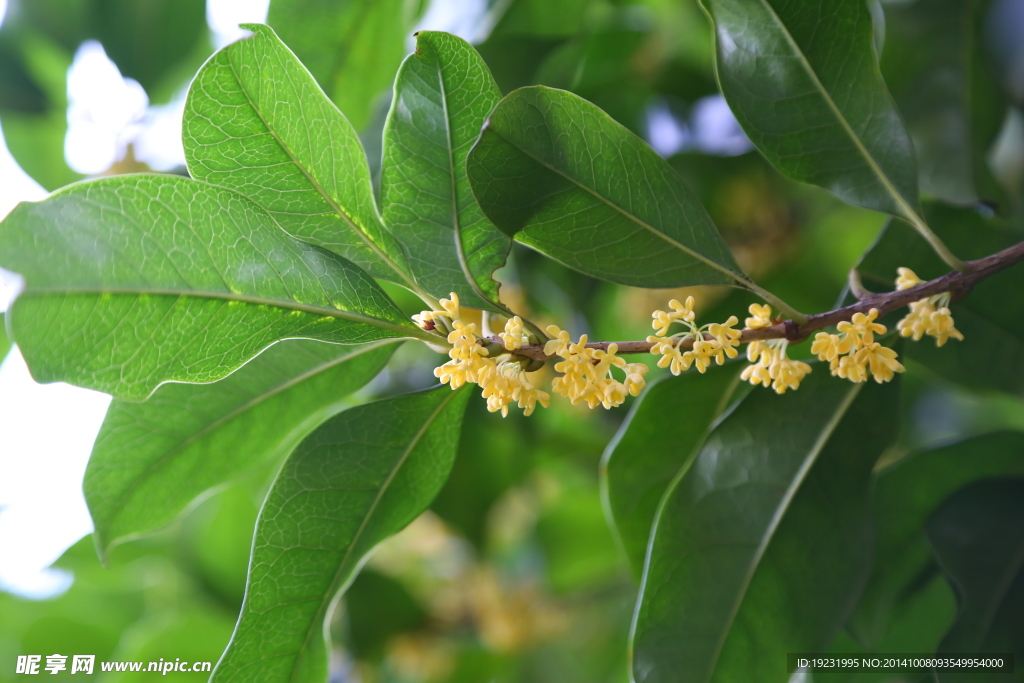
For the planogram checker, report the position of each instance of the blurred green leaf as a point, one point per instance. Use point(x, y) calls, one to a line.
point(360, 477)
point(139, 280)
point(761, 545)
point(378, 608)
point(906, 494)
point(217, 538)
point(644, 457)
point(193, 635)
point(352, 47)
point(935, 65)
point(254, 106)
point(542, 18)
point(991, 318)
point(19, 90)
point(978, 539)
point(803, 81)
point(561, 176)
point(148, 39)
point(66, 22)
point(152, 459)
point(443, 95)
point(5, 340)
point(36, 140)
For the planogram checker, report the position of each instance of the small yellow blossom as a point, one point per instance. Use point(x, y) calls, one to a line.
point(755, 373)
point(861, 329)
point(760, 316)
point(514, 335)
point(662, 320)
point(671, 357)
point(787, 374)
point(769, 366)
point(880, 360)
point(906, 279)
point(942, 327)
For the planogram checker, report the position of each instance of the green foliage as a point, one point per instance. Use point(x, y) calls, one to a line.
point(839, 517)
point(360, 477)
point(443, 95)
point(561, 176)
point(152, 459)
point(726, 568)
point(133, 265)
point(804, 82)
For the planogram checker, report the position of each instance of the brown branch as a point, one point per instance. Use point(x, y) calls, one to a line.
point(959, 284)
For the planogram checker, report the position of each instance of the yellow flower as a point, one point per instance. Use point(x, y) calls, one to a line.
point(761, 316)
point(756, 373)
point(929, 316)
point(769, 366)
point(662, 320)
point(587, 373)
point(942, 327)
point(830, 346)
point(760, 349)
point(726, 335)
point(559, 342)
point(907, 279)
point(862, 328)
point(671, 357)
point(635, 374)
point(880, 360)
point(514, 335)
point(787, 374)
point(847, 367)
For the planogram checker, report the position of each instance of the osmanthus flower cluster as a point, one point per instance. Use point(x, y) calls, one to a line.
point(928, 316)
point(588, 371)
point(502, 378)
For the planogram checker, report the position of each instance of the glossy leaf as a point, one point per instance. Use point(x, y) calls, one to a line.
point(804, 83)
point(139, 280)
point(761, 546)
point(936, 66)
point(561, 176)
point(256, 122)
point(443, 95)
point(991, 318)
point(152, 459)
point(978, 538)
point(906, 495)
point(360, 477)
point(352, 47)
point(644, 457)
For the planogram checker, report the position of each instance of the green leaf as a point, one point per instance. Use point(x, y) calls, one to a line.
point(5, 340)
point(139, 280)
point(906, 494)
point(803, 80)
point(152, 459)
point(978, 538)
point(352, 47)
point(991, 318)
point(256, 122)
point(644, 457)
point(762, 543)
point(360, 477)
point(443, 95)
point(936, 66)
point(561, 176)
point(148, 40)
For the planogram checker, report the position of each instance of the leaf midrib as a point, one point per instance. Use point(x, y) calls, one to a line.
point(342, 565)
point(239, 410)
point(338, 210)
point(809, 460)
point(907, 210)
point(742, 281)
point(227, 296)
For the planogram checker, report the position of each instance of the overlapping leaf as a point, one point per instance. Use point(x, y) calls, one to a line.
point(561, 176)
point(906, 494)
point(256, 121)
point(152, 459)
point(352, 47)
point(5, 341)
point(761, 546)
point(978, 539)
point(936, 65)
point(644, 457)
point(443, 95)
point(138, 280)
point(991, 317)
point(360, 477)
point(803, 80)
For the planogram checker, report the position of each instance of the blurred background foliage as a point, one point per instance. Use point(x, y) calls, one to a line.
point(514, 575)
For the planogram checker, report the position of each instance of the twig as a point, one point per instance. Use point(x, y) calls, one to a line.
point(958, 283)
